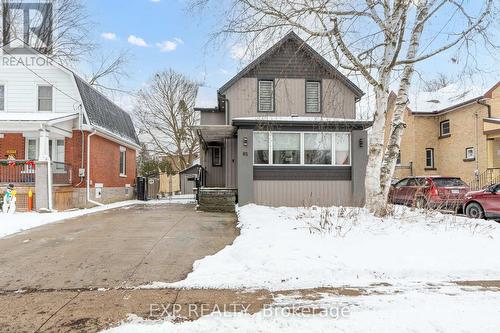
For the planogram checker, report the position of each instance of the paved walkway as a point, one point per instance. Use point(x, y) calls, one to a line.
point(117, 248)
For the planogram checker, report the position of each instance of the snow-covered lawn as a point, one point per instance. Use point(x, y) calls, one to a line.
point(448, 309)
point(11, 224)
point(286, 248)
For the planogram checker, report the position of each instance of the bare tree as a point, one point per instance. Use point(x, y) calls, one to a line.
point(439, 82)
point(61, 29)
point(166, 118)
point(379, 40)
point(108, 72)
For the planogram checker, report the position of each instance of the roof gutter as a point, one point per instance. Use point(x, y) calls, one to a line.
point(111, 136)
point(482, 102)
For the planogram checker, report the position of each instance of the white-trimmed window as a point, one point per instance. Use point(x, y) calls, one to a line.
point(469, 153)
point(266, 96)
point(45, 98)
point(313, 96)
point(444, 128)
point(2, 97)
point(302, 148)
point(56, 153)
point(123, 161)
point(318, 148)
point(429, 158)
point(261, 148)
point(342, 149)
point(286, 148)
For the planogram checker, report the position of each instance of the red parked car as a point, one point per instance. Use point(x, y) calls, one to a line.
point(484, 203)
point(435, 192)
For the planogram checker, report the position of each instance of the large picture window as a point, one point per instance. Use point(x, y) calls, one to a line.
point(286, 148)
point(295, 148)
point(318, 148)
point(261, 148)
point(342, 149)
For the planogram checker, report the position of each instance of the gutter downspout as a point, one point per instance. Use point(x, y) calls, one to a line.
point(481, 102)
point(82, 143)
point(88, 171)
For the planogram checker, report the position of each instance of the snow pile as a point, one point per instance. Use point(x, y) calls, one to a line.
point(423, 311)
point(288, 248)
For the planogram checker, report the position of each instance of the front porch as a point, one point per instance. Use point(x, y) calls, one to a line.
point(33, 157)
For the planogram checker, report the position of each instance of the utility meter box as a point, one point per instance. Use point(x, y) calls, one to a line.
point(81, 172)
point(98, 190)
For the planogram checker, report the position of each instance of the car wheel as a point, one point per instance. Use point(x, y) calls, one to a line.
point(420, 203)
point(474, 211)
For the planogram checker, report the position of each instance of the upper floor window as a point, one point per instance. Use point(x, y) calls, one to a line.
point(313, 96)
point(266, 96)
point(444, 128)
point(2, 97)
point(45, 98)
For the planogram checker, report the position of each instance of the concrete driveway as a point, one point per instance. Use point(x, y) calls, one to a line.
point(117, 248)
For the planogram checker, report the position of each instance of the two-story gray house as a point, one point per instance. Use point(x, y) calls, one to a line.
point(284, 132)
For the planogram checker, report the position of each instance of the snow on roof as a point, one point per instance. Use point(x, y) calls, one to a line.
point(443, 98)
point(206, 98)
point(35, 116)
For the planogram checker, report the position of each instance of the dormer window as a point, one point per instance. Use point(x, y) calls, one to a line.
point(313, 96)
point(266, 96)
point(2, 97)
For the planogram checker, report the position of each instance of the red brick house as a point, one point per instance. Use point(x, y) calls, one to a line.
point(60, 138)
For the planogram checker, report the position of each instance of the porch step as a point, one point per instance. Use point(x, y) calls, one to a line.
point(217, 200)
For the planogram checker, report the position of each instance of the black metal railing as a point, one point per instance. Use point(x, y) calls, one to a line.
point(488, 177)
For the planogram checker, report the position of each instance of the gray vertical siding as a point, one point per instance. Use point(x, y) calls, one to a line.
point(337, 100)
point(359, 144)
point(230, 162)
point(187, 185)
point(245, 167)
point(302, 193)
point(215, 175)
point(212, 118)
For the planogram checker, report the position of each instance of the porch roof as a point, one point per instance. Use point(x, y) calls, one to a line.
point(33, 121)
point(215, 133)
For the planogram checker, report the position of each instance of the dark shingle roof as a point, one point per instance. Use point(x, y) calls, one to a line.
point(104, 113)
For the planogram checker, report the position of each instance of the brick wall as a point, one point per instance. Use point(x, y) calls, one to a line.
point(12, 141)
point(105, 163)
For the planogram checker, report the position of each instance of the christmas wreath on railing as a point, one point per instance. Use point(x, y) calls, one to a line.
point(13, 163)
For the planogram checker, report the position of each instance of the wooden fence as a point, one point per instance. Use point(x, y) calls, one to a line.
point(169, 184)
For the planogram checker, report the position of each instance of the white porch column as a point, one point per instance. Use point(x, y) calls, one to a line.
point(43, 177)
point(43, 149)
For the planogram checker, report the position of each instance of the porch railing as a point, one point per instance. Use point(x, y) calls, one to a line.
point(488, 177)
point(16, 172)
point(62, 173)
